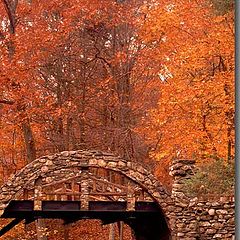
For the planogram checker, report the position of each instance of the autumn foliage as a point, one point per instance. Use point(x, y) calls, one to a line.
point(149, 80)
point(195, 113)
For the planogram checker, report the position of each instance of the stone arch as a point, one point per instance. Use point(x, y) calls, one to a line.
point(46, 165)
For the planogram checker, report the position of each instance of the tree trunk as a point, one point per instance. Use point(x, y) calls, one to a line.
point(41, 229)
point(29, 141)
point(31, 156)
point(120, 230)
point(111, 231)
point(66, 231)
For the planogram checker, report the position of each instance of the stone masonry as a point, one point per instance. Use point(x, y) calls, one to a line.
point(196, 218)
point(187, 219)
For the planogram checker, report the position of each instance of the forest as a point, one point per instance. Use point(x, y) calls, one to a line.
point(149, 80)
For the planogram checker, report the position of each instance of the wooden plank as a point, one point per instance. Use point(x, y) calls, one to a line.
point(84, 198)
point(73, 190)
point(25, 194)
point(130, 198)
point(96, 198)
point(94, 186)
point(37, 194)
point(63, 196)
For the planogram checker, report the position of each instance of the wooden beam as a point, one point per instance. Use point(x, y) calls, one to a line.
point(68, 209)
point(29, 220)
point(71, 220)
point(62, 181)
point(27, 206)
point(107, 182)
point(10, 226)
point(92, 193)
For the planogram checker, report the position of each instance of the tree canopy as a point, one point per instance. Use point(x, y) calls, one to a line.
point(149, 80)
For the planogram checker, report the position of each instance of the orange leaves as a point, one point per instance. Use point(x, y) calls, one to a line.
point(86, 72)
point(194, 117)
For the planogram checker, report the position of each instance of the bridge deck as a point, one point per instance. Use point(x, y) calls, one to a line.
point(70, 211)
point(61, 209)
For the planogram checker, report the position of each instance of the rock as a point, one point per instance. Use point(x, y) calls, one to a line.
point(180, 234)
point(49, 163)
point(112, 164)
point(211, 231)
point(217, 225)
point(93, 161)
point(211, 211)
point(205, 224)
point(102, 163)
point(65, 153)
point(48, 179)
point(122, 164)
point(44, 169)
point(218, 235)
point(222, 212)
point(42, 160)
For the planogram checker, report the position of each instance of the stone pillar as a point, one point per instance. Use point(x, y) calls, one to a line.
point(181, 218)
point(180, 170)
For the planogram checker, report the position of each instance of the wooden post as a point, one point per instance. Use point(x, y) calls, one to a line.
point(64, 190)
point(73, 190)
point(40, 224)
point(84, 197)
point(130, 198)
point(37, 195)
point(41, 229)
point(25, 194)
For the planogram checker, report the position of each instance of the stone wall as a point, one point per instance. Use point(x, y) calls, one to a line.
point(199, 219)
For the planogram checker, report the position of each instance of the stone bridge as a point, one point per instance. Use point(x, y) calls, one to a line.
point(89, 183)
point(75, 185)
